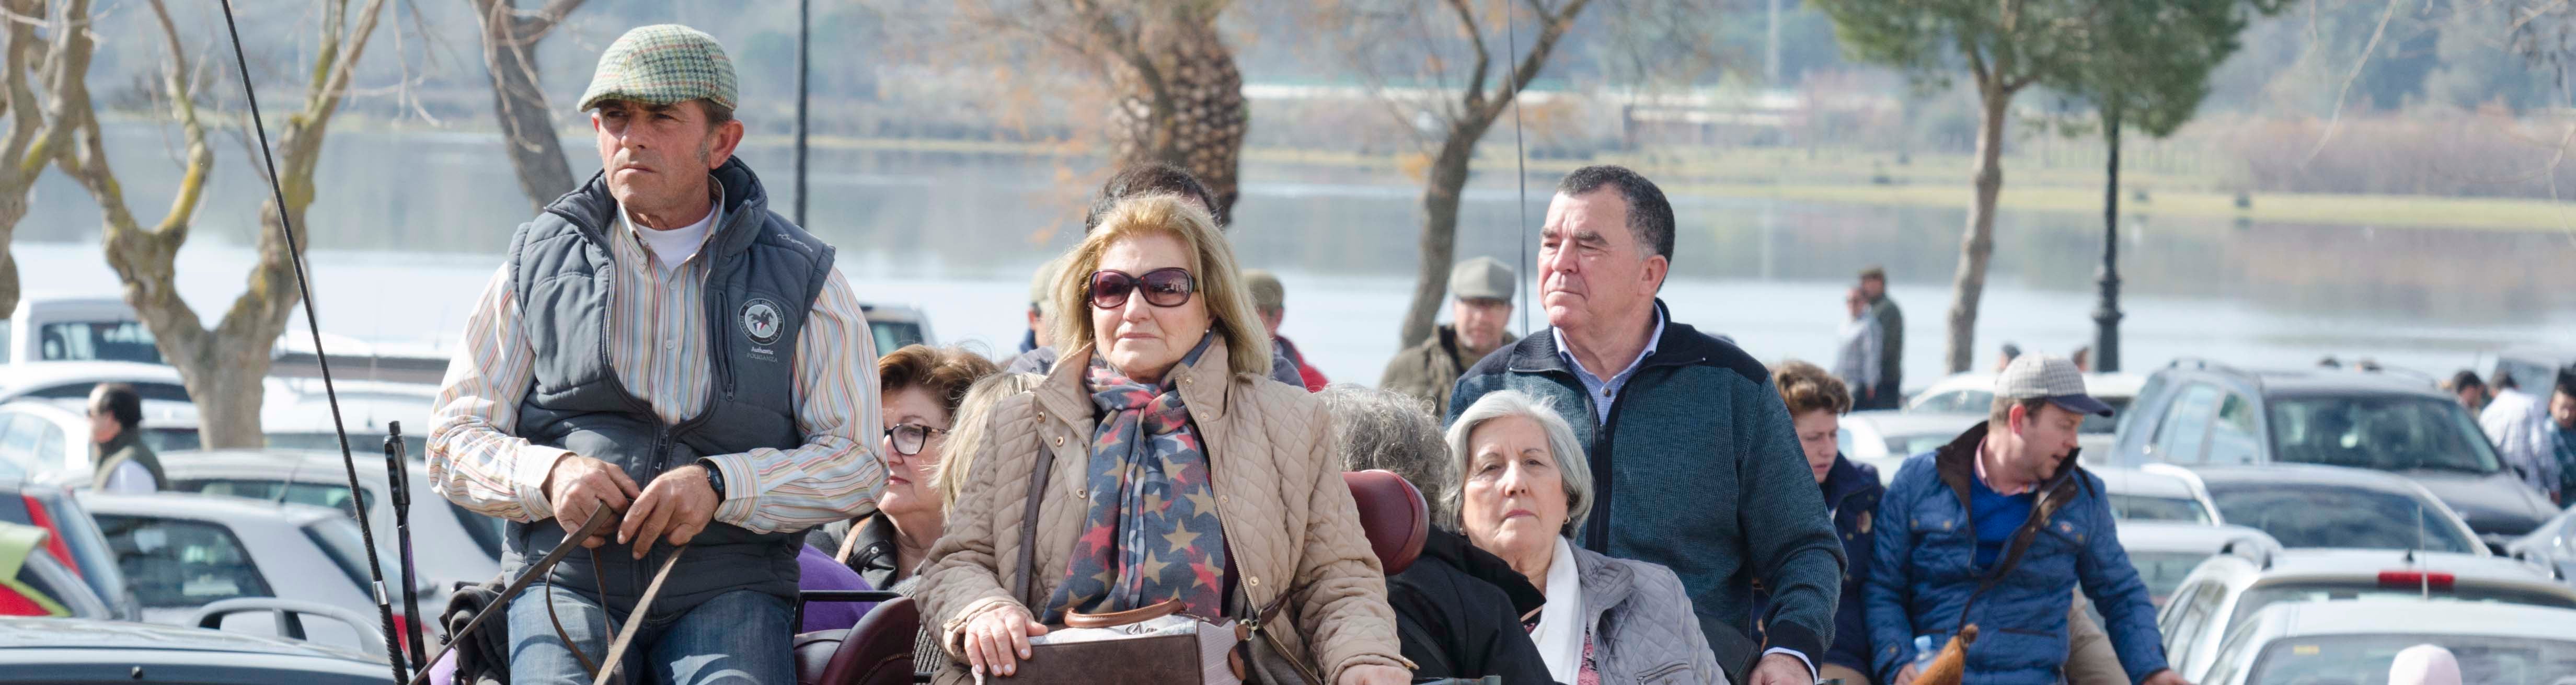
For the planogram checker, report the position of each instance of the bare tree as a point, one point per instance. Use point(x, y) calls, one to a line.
point(518, 100)
point(34, 129)
point(223, 367)
point(1179, 94)
point(1388, 38)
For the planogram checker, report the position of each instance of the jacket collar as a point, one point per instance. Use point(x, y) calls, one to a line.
point(1956, 464)
point(1067, 391)
point(1679, 345)
point(1605, 583)
point(1482, 565)
point(1847, 478)
point(746, 204)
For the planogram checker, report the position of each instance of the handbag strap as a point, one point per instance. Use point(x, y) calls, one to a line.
point(2040, 512)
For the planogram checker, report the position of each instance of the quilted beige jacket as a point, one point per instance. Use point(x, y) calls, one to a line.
point(1288, 519)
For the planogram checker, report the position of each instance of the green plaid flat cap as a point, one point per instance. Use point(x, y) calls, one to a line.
point(662, 64)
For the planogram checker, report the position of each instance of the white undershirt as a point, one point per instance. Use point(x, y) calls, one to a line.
point(671, 248)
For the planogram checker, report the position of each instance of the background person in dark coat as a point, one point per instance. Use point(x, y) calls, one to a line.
point(1891, 347)
point(1816, 402)
point(125, 464)
point(1459, 608)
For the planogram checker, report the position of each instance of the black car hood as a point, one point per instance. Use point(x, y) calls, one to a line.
point(2495, 504)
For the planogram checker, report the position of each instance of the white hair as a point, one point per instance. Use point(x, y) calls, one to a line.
point(1571, 464)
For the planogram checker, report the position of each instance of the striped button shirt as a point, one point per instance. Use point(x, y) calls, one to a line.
point(659, 328)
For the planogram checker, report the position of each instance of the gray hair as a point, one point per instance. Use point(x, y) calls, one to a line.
point(1384, 430)
point(1561, 446)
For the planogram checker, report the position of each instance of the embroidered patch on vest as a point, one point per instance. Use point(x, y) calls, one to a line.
point(762, 321)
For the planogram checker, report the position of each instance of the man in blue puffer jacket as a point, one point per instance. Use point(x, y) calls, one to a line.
point(2007, 496)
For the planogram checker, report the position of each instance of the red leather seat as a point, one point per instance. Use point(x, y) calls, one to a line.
point(1394, 515)
point(877, 651)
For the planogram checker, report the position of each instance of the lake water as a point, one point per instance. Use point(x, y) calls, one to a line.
point(409, 225)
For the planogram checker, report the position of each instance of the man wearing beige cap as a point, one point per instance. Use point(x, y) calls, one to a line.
point(2000, 529)
point(1480, 304)
point(660, 345)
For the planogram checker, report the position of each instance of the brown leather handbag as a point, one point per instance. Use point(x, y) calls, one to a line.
point(1249, 652)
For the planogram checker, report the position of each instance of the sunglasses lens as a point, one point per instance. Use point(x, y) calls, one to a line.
point(1109, 289)
point(1168, 287)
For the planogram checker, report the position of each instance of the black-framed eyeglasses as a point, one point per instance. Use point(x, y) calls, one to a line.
point(1165, 287)
point(909, 438)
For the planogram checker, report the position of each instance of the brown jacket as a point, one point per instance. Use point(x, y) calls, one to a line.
point(1289, 521)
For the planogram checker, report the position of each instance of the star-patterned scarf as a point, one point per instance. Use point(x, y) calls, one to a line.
point(1151, 534)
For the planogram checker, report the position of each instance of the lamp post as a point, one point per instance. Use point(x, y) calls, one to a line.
point(2106, 312)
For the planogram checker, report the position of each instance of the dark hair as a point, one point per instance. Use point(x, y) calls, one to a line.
point(1874, 273)
point(118, 400)
point(2003, 410)
point(717, 114)
point(1147, 179)
point(1650, 217)
point(1807, 387)
point(946, 373)
point(2567, 381)
point(2464, 380)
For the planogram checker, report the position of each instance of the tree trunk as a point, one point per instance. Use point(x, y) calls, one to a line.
point(1198, 121)
point(519, 101)
point(1977, 246)
point(1440, 194)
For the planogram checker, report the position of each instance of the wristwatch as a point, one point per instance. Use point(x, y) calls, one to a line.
point(715, 478)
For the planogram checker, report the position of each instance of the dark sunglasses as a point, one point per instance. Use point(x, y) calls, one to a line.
point(1167, 287)
point(908, 438)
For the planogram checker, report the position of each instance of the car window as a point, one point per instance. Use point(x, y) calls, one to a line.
point(15, 465)
point(120, 341)
point(2233, 654)
point(2161, 571)
point(2185, 429)
point(2097, 424)
point(20, 443)
point(1957, 402)
point(164, 439)
point(168, 392)
point(1910, 445)
point(317, 494)
point(2195, 616)
point(2146, 508)
point(2366, 658)
point(339, 538)
point(49, 444)
point(891, 335)
point(175, 563)
point(2384, 433)
point(485, 530)
point(2323, 515)
point(2233, 437)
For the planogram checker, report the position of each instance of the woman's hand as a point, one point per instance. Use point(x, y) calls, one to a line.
point(997, 641)
point(1375, 675)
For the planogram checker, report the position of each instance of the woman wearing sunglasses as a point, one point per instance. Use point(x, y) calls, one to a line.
point(1177, 473)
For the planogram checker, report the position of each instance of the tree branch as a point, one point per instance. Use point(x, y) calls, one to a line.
point(1475, 90)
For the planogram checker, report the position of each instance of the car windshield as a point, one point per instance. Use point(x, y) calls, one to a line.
point(2148, 508)
point(2097, 424)
point(415, 446)
point(2384, 433)
point(116, 341)
point(2320, 515)
point(2164, 571)
point(339, 537)
point(2365, 659)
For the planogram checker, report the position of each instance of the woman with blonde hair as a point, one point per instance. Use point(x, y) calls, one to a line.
point(968, 436)
point(1157, 468)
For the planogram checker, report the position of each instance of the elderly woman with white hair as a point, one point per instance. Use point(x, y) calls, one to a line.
point(1521, 488)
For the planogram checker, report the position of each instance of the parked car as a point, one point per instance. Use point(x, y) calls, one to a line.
point(2228, 588)
point(183, 552)
point(55, 328)
point(94, 652)
point(2157, 492)
point(1885, 438)
point(34, 583)
point(2196, 413)
point(49, 439)
point(297, 415)
point(449, 544)
point(2355, 641)
point(2165, 552)
point(72, 538)
point(895, 326)
point(1974, 393)
point(2552, 545)
point(2533, 369)
point(2325, 506)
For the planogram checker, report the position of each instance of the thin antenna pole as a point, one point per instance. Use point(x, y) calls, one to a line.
point(1520, 165)
point(804, 23)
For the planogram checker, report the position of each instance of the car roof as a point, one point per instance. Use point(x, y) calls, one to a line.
point(51, 373)
point(305, 466)
point(2130, 481)
point(2312, 562)
point(2343, 382)
point(2177, 536)
point(1894, 422)
point(2113, 384)
point(64, 633)
point(204, 507)
point(2412, 616)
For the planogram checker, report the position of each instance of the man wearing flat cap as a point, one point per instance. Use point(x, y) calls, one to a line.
point(1480, 304)
point(660, 345)
point(2000, 529)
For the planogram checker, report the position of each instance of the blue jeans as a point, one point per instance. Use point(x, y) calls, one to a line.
point(739, 637)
